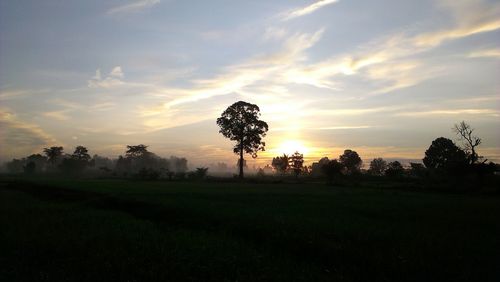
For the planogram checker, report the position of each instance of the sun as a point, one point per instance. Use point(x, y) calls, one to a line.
point(291, 146)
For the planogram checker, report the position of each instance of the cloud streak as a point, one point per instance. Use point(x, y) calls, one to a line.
point(135, 6)
point(307, 10)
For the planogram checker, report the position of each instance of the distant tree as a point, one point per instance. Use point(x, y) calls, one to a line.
point(53, 153)
point(469, 141)
point(296, 163)
point(39, 161)
point(394, 169)
point(240, 122)
point(317, 167)
point(378, 166)
point(443, 154)
point(15, 166)
point(351, 161)
point(30, 167)
point(136, 151)
point(332, 169)
point(281, 163)
point(81, 154)
point(201, 172)
point(417, 169)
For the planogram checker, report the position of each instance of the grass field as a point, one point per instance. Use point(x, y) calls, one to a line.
point(111, 230)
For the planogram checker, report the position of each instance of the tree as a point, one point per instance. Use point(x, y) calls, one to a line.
point(81, 154)
point(394, 169)
point(53, 153)
point(281, 163)
point(351, 161)
point(378, 166)
point(240, 122)
point(332, 169)
point(136, 151)
point(296, 163)
point(469, 141)
point(443, 154)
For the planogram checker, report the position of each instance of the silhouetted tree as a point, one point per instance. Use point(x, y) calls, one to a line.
point(332, 169)
point(281, 163)
point(317, 167)
point(136, 151)
point(470, 141)
point(417, 169)
point(201, 172)
point(81, 154)
point(378, 166)
point(394, 169)
point(39, 161)
point(30, 168)
point(296, 163)
point(15, 166)
point(351, 161)
point(240, 122)
point(53, 154)
point(443, 154)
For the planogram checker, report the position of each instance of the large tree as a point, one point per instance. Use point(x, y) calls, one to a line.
point(53, 153)
point(240, 122)
point(351, 161)
point(443, 154)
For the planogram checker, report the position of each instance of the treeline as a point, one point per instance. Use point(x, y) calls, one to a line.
point(137, 162)
point(444, 160)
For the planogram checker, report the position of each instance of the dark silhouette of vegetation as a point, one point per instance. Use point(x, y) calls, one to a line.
point(469, 141)
point(444, 155)
point(297, 163)
point(351, 161)
point(377, 166)
point(394, 169)
point(333, 170)
point(240, 122)
point(53, 154)
point(281, 163)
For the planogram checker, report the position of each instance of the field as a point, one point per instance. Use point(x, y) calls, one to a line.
point(114, 230)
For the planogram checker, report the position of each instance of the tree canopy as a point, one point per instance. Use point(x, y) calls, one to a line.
point(240, 122)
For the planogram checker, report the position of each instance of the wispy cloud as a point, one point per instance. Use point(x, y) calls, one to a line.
point(307, 10)
point(485, 53)
point(112, 80)
point(489, 112)
point(134, 6)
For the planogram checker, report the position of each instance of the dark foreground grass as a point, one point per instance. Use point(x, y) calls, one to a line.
point(174, 231)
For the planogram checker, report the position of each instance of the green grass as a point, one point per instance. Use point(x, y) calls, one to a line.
point(111, 230)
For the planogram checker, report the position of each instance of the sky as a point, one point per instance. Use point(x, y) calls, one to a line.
point(384, 78)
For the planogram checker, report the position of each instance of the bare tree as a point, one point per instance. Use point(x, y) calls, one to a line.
point(469, 141)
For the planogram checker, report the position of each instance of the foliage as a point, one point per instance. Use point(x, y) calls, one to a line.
point(281, 163)
point(394, 169)
point(333, 169)
point(378, 166)
point(240, 122)
point(351, 161)
point(444, 155)
point(296, 163)
point(53, 153)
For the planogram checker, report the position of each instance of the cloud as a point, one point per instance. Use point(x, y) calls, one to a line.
point(116, 72)
point(18, 137)
point(488, 112)
point(135, 6)
point(58, 115)
point(307, 10)
point(111, 81)
point(485, 53)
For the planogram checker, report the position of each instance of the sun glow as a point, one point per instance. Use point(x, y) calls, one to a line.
point(291, 146)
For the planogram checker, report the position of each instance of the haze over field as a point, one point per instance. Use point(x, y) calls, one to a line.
point(384, 78)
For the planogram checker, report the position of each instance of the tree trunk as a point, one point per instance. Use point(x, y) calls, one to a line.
point(241, 160)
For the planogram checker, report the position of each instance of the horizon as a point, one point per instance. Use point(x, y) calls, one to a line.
point(327, 75)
